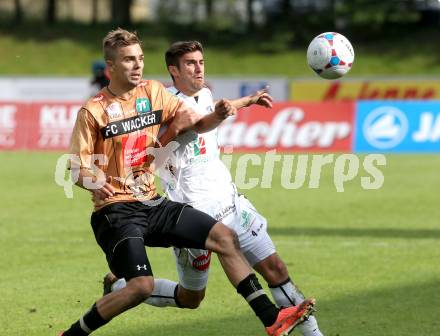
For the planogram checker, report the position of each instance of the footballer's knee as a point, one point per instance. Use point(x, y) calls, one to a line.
point(280, 269)
point(190, 299)
point(140, 288)
point(272, 269)
point(222, 239)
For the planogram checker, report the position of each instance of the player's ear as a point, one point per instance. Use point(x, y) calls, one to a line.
point(173, 70)
point(110, 65)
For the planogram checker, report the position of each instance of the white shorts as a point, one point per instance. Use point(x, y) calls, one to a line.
point(255, 244)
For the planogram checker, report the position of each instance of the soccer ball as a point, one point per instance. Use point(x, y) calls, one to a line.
point(330, 55)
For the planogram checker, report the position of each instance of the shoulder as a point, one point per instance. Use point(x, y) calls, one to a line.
point(95, 104)
point(206, 93)
point(150, 84)
point(153, 88)
point(144, 86)
point(206, 90)
point(95, 107)
point(172, 90)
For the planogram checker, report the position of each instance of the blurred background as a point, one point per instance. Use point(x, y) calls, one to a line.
point(370, 256)
point(51, 52)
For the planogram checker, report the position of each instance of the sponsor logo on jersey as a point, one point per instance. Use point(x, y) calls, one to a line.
point(143, 83)
point(139, 182)
point(143, 105)
point(199, 146)
point(133, 149)
point(201, 263)
point(132, 124)
point(98, 98)
point(114, 111)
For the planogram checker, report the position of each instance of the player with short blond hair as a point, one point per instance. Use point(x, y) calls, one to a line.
point(196, 175)
point(114, 136)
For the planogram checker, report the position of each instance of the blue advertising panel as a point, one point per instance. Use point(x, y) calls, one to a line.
point(249, 88)
point(399, 126)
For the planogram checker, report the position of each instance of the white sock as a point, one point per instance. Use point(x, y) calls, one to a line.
point(286, 295)
point(118, 285)
point(163, 293)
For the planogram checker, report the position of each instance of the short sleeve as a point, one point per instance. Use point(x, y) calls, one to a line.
point(83, 140)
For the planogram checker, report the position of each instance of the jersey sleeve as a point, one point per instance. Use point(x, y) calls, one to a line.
point(83, 140)
point(169, 102)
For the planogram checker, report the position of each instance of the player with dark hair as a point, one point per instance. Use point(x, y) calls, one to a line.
point(197, 176)
point(112, 142)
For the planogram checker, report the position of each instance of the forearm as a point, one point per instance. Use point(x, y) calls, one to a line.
point(208, 123)
point(85, 178)
point(241, 102)
point(169, 135)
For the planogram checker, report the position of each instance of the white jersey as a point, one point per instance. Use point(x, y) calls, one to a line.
point(194, 172)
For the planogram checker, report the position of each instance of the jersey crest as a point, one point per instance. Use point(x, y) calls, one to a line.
point(199, 146)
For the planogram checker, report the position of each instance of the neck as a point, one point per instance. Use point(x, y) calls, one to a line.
point(186, 91)
point(120, 91)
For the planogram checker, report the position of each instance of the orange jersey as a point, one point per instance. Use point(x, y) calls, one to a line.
point(111, 135)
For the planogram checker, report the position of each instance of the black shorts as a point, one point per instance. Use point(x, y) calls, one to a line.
point(122, 229)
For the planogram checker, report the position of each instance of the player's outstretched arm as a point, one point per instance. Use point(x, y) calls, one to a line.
point(223, 109)
point(261, 97)
point(184, 118)
point(226, 108)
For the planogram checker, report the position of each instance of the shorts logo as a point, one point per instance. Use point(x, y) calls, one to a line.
point(143, 105)
point(224, 212)
point(139, 267)
point(245, 220)
point(114, 111)
point(255, 232)
point(202, 262)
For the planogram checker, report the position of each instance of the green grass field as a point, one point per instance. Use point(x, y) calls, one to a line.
point(370, 257)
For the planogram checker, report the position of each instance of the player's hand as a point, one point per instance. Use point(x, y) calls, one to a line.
point(224, 109)
point(105, 192)
point(185, 118)
point(261, 97)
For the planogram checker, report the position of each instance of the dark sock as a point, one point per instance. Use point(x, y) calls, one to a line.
point(175, 297)
point(75, 330)
point(91, 321)
point(252, 291)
